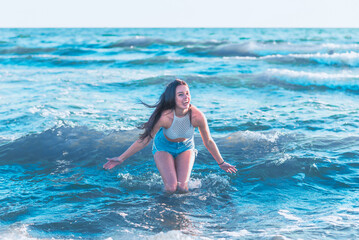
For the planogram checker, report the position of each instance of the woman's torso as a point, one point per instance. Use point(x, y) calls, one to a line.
point(169, 119)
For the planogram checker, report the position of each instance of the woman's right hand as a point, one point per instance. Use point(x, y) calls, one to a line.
point(228, 167)
point(112, 162)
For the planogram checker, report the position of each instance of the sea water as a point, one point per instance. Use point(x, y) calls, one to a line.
point(282, 106)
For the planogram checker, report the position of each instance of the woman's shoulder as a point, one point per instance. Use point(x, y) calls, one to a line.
point(196, 112)
point(197, 116)
point(167, 114)
point(166, 118)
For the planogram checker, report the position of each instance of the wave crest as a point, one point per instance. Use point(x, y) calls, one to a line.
point(347, 59)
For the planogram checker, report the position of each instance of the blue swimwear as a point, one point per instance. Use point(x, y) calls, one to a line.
point(160, 143)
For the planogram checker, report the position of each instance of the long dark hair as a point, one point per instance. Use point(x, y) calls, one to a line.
point(167, 101)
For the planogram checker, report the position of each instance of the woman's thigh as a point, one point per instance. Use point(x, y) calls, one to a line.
point(184, 164)
point(166, 166)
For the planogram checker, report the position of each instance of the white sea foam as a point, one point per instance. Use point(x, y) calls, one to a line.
point(240, 58)
point(289, 216)
point(282, 160)
point(74, 58)
point(9, 138)
point(335, 220)
point(338, 56)
point(122, 214)
point(173, 235)
point(145, 181)
point(194, 183)
point(332, 219)
point(213, 182)
point(256, 136)
point(351, 210)
point(240, 233)
point(281, 237)
point(340, 46)
point(315, 51)
point(72, 75)
point(313, 75)
point(19, 233)
point(55, 113)
point(36, 109)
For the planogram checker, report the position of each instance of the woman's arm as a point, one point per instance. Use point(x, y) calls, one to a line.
point(211, 145)
point(134, 148)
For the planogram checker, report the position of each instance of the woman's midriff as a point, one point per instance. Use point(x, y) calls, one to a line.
point(175, 140)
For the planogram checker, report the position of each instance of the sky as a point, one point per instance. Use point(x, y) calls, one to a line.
point(180, 13)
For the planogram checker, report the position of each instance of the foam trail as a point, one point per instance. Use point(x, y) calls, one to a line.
point(313, 75)
point(331, 59)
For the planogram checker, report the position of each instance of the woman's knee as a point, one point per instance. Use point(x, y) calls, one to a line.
point(183, 187)
point(171, 188)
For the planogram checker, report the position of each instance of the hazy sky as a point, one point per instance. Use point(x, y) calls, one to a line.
point(179, 13)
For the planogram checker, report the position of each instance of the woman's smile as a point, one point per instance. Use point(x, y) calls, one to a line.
point(183, 97)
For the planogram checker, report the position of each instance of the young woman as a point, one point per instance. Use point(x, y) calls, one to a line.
point(172, 126)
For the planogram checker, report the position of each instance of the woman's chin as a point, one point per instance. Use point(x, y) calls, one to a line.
point(183, 107)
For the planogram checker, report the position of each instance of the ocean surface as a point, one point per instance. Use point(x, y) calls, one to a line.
point(282, 106)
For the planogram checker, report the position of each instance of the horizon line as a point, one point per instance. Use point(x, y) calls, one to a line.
point(98, 27)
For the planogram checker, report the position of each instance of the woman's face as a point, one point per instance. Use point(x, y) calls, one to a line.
point(183, 97)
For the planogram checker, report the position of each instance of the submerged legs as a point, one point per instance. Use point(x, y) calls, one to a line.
point(175, 173)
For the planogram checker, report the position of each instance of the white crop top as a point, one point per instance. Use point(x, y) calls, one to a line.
point(180, 128)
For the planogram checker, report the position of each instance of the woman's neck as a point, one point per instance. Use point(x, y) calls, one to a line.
point(181, 112)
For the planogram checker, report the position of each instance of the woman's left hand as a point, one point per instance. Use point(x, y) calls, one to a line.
point(112, 162)
point(228, 167)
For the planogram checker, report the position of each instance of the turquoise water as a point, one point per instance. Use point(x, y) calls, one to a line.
point(281, 105)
